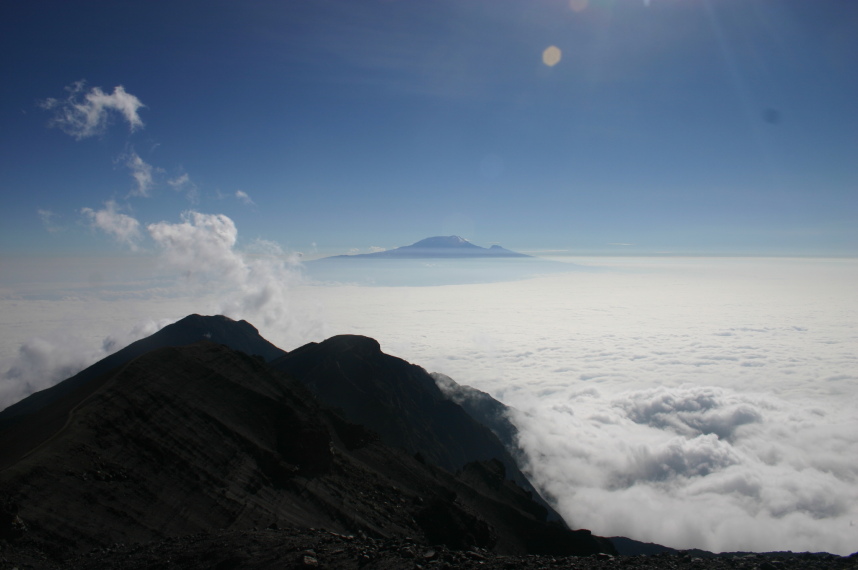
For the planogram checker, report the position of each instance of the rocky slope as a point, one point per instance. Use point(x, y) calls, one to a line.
point(402, 403)
point(288, 548)
point(238, 335)
point(203, 438)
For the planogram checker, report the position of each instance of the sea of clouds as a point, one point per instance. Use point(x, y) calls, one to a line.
point(692, 402)
point(702, 402)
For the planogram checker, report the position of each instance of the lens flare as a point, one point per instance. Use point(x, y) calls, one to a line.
point(551, 56)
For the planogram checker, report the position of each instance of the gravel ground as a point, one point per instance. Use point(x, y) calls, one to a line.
point(316, 548)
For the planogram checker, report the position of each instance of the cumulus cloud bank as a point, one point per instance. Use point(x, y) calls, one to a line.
point(84, 114)
point(253, 284)
point(650, 465)
point(690, 411)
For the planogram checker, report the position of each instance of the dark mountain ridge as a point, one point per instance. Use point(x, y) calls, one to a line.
point(238, 335)
point(401, 402)
point(197, 438)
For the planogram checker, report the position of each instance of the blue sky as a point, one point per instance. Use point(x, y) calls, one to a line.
point(689, 126)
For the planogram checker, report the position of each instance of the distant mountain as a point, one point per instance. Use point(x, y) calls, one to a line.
point(193, 439)
point(438, 247)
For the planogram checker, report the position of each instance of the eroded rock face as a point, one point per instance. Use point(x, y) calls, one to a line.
point(444, 522)
point(398, 400)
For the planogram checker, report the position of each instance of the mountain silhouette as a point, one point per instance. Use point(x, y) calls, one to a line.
point(204, 438)
point(402, 403)
point(239, 335)
point(437, 247)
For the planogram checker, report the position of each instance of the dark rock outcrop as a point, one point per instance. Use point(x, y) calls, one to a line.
point(403, 404)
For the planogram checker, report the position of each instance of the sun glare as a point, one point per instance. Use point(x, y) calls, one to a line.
point(578, 5)
point(551, 56)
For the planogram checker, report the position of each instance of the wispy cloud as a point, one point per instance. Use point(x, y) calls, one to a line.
point(143, 174)
point(121, 227)
point(244, 198)
point(183, 183)
point(84, 114)
point(47, 217)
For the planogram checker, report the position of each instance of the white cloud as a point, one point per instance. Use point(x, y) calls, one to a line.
point(85, 114)
point(121, 227)
point(255, 285)
point(201, 244)
point(244, 198)
point(690, 410)
point(614, 474)
point(143, 174)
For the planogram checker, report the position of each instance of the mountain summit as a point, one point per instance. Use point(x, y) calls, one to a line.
point(438, 246)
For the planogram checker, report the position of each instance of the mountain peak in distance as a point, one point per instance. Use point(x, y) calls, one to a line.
point(443, 241)
point(438, 247)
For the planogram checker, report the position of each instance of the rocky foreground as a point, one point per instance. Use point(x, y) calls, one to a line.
point(317, 548)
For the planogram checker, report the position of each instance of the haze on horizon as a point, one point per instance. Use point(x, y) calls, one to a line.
point(695, 158)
